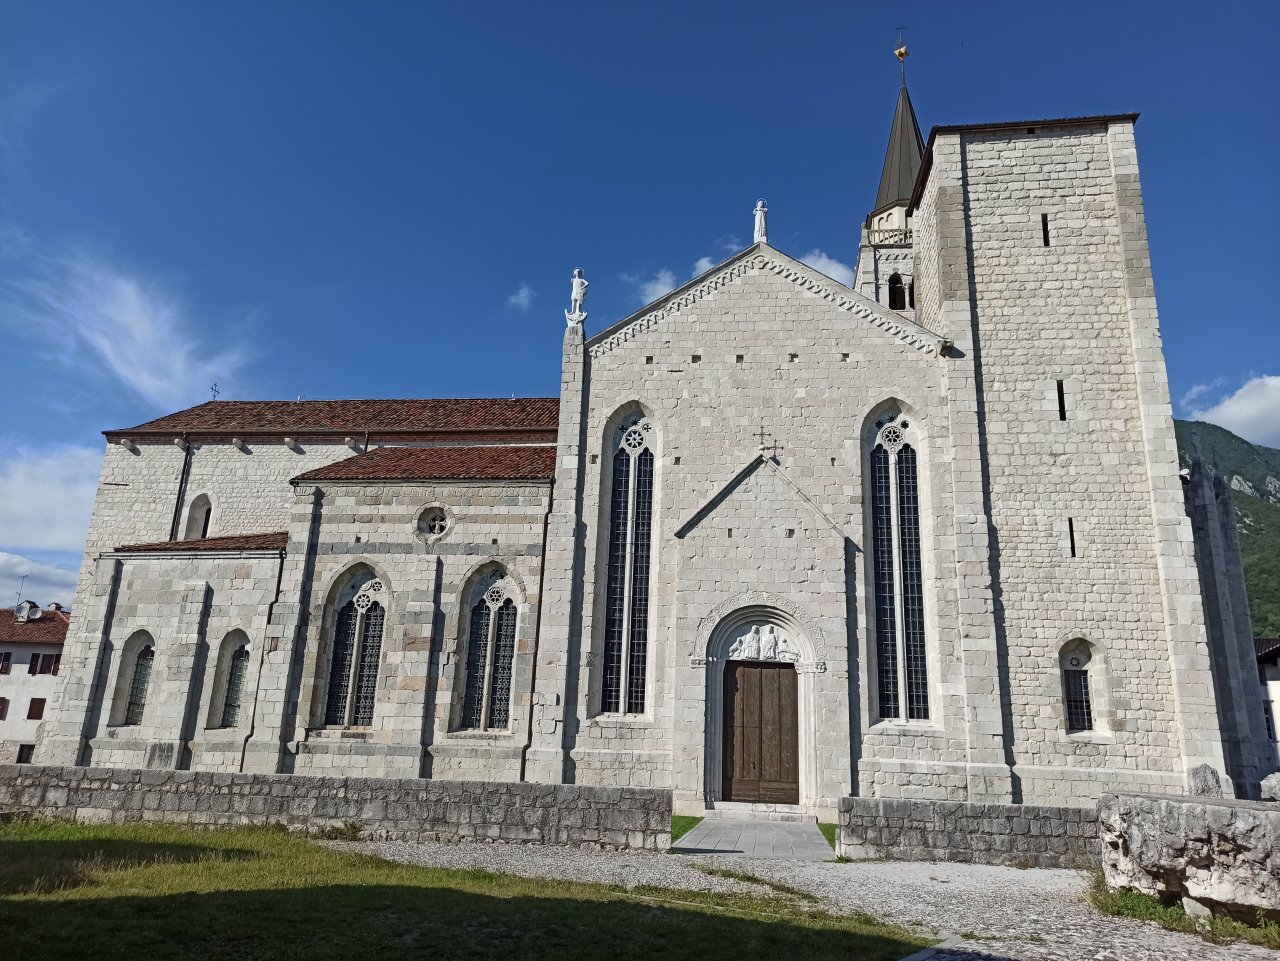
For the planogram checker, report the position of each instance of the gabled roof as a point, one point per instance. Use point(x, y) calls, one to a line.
point(49, 628)
point(760, 461)
point(430, 415)
point(1267, 648)
point(477, 462)
point(276, 541)
point(902, 158)
point(762, 257)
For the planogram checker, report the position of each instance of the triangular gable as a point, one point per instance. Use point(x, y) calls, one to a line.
point(758, 462)
point(762, 257)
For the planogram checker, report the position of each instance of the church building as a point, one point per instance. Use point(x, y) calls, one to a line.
point(777, 542)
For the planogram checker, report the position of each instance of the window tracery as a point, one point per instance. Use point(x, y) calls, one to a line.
point(897, 576)
point(626, 620)
point(491, 646)
point(357, 652)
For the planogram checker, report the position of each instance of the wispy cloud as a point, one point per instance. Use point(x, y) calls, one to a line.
point(702, 265)
point(44, 583)
point(729, 243)
point(522, 299)
point(1188, 401)
point(649, 289)
point(833, 268)
point(101, 320)
point(46, 496)
point(1253, 411)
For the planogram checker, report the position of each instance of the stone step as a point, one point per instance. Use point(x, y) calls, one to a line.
point(747, 810)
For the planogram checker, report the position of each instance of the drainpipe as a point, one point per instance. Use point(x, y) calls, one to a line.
point(182, 488)
point(262, 657)
point(537, 632)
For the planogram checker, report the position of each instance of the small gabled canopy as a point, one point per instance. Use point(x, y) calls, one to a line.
point(902, 159)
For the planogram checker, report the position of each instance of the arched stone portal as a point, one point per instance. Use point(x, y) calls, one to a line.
point(759, 741)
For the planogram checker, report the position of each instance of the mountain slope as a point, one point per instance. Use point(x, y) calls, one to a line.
point(1254, 475)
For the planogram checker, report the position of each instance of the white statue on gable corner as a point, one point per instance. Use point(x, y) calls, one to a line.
point(575, 314)
point(764, 644)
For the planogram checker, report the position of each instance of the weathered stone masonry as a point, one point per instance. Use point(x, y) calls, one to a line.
point(404, 809)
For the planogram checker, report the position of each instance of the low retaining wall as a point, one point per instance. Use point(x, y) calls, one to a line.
point(407, 810)
point(1215, 855)
point(1020, 835)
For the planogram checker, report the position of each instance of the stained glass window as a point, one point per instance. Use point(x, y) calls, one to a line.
point(504, 647)
point(897, 575)
point(477, 661)
point(1075, 686)
point(137, 702)
point(367, 669)
point(344, 644)
point(237, 669)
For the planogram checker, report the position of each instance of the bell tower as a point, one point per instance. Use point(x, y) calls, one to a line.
point(885, 271)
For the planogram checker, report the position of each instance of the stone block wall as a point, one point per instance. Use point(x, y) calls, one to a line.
point(408, 810)
point(1018, 835)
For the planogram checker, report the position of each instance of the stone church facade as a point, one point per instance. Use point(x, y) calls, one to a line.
point(778, 541)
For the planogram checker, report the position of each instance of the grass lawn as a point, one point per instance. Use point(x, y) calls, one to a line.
point(829, 831)
point(164, 891)
point(682, 824)
point(1145, 907)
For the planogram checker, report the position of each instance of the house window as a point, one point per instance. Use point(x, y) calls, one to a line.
point(1075, 658)
point(26, 753)
point(357, 651)
point(897, 574)
point(897, 297)
point(1270, 719)
point(6, 662)
point(137, 702)
point(35, 710)
point(237, 670)
point(626, 621)
point(44, 663)
point(4, 708)
point(491, 648)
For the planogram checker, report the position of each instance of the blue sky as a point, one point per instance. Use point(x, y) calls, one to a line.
point(387, 199)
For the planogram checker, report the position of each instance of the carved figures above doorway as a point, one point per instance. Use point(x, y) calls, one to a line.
point(764, 643)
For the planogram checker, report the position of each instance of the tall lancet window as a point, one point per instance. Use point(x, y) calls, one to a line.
point(898, 584)
point(626, 620)
point(357, 652)
point(491, 648)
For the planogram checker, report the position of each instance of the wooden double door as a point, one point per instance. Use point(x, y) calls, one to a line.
point(760, 760)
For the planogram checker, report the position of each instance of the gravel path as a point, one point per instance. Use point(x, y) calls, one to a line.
point(993, 914)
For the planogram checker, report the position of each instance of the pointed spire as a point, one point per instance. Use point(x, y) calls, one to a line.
point(906, 147)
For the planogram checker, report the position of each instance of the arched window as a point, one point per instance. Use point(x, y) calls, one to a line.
point(237, 671)
point(357, 652)
point(138, 683)
point(897, 300)
point(626, 603)
point(1077, 698)
point(198, 517)
point(491, 648)
point(897, 578)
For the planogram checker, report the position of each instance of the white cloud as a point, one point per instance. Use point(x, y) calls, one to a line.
point(649, 289)
point(522, 299)
point(833, 268)
point(702, 265)
point(99, 320)
point(1188, 401)
point(46, 497)
point(1253, 411)
point(44, 583)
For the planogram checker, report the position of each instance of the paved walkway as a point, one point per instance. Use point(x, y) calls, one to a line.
point(792, 840)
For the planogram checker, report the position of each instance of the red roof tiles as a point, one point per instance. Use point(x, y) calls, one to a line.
point(1266, 647)
point(433, 415)
point(235, 542)
point(478, 462)
point(49, 628)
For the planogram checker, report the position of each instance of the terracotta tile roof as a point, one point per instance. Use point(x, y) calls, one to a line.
point(49, 628)
point(1267, 647)
point(235, 542)
point(357, 416)
point(478, 462)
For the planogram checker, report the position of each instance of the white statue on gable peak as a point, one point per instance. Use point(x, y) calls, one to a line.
point(575, 315)
point(762, 225)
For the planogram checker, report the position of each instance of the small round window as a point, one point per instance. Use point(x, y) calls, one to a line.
point(433, 523)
